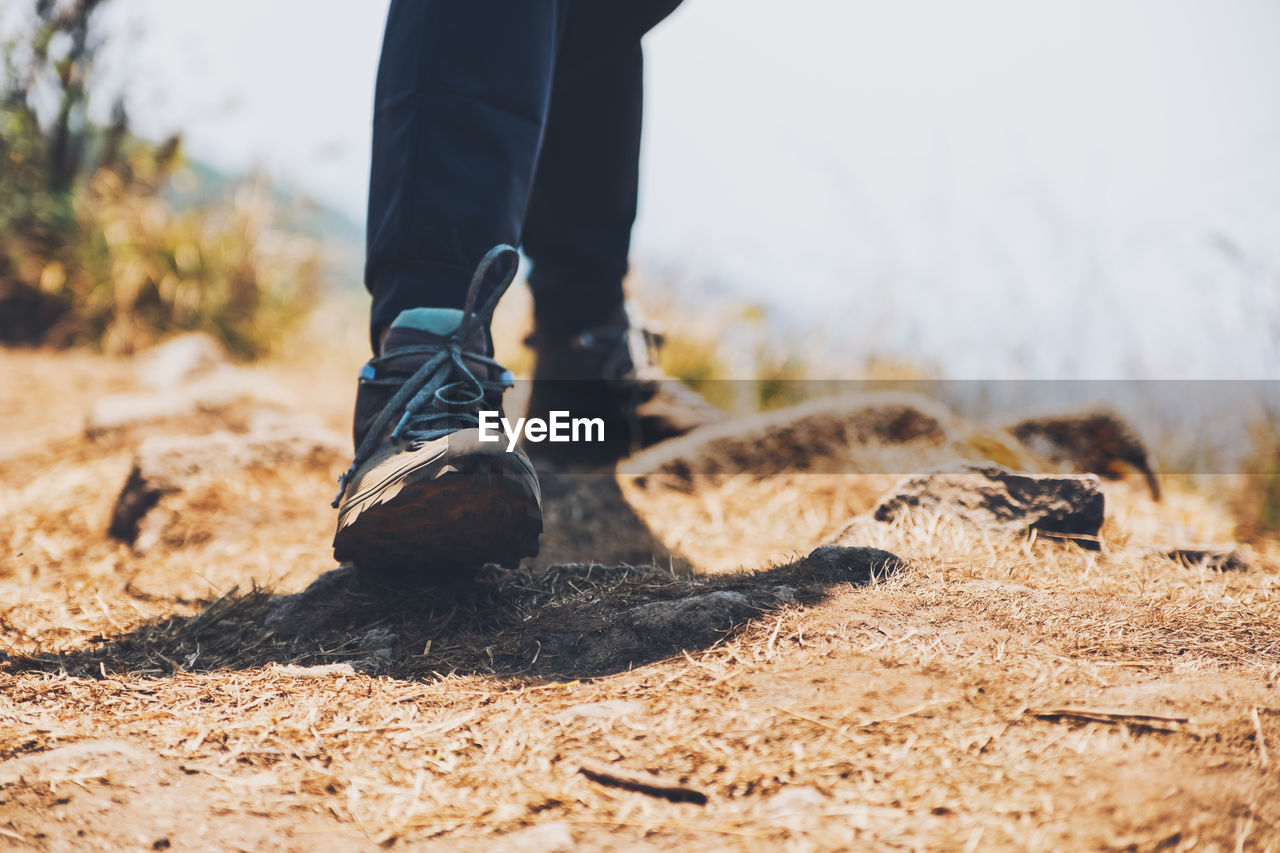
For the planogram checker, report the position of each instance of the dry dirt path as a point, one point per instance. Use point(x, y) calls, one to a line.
point(986, 695)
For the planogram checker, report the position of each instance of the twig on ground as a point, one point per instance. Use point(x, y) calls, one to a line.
point(1152, 722)
point(1261, 741)
point(643, 783)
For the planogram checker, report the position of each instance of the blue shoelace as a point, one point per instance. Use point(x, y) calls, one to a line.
point(443, 395)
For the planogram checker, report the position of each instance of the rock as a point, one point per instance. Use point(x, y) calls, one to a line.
point(996, 499)
point(213, 390)
point(227, 384)
point(841, 563)
point(270, 420)
point(998, 445)
point(179, 359)
point(378, 646)
point(1093, 442)
point(166, 465)
point(830, 434)
point(123, 411)
point(784, 594)
point(1220, 559)
point(698, 617)
point(758, 487)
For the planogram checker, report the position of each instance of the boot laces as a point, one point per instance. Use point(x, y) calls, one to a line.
point(443, 395)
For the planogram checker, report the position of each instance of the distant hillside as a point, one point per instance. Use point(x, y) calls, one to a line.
point(200, 184)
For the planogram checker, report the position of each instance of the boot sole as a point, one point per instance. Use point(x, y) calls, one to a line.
point(454, 521)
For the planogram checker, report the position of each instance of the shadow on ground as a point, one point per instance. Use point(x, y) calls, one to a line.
point(567, 621)
point(587, 519)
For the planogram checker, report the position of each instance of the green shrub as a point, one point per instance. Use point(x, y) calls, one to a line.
point(91, 251)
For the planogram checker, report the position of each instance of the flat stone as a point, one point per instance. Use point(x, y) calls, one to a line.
point(121, 411)
point(993, 498)
point(843, 563)
point(1097, 441)
point(842, 434)
point(696, 616)
point(179, 359)
point(1226, 558)
point(216, 389)
point(170, 464)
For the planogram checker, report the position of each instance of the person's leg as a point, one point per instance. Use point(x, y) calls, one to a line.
point(578, 226)
point(589, 359)
point(462, 98)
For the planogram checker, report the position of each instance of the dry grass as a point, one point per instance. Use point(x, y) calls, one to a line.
point(141, 704)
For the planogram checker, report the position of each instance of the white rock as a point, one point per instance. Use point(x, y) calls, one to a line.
point(179, 359)
point(165, 465)
point(220, 387)
point(120, 411)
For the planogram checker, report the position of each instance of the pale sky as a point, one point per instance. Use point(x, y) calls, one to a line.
point(998, 188)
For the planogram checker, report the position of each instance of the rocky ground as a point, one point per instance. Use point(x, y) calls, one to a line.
point(750, 637)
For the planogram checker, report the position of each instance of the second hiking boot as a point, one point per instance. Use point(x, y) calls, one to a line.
point(609, 371)
point(424, 496)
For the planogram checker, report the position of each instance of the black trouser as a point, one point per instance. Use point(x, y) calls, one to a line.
point(497, 117)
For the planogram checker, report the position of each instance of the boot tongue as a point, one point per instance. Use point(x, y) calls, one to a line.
point(417, 327)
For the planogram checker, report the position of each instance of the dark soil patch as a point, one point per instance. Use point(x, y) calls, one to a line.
point(564, 621)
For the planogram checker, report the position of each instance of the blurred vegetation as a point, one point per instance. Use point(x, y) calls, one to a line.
point(731, 351)
point(1256, 503)
point(742, 357)
point(92, 249)
point(762, 374)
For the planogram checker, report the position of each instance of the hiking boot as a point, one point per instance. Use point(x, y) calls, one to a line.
point(609, 371)
point(424, 493)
